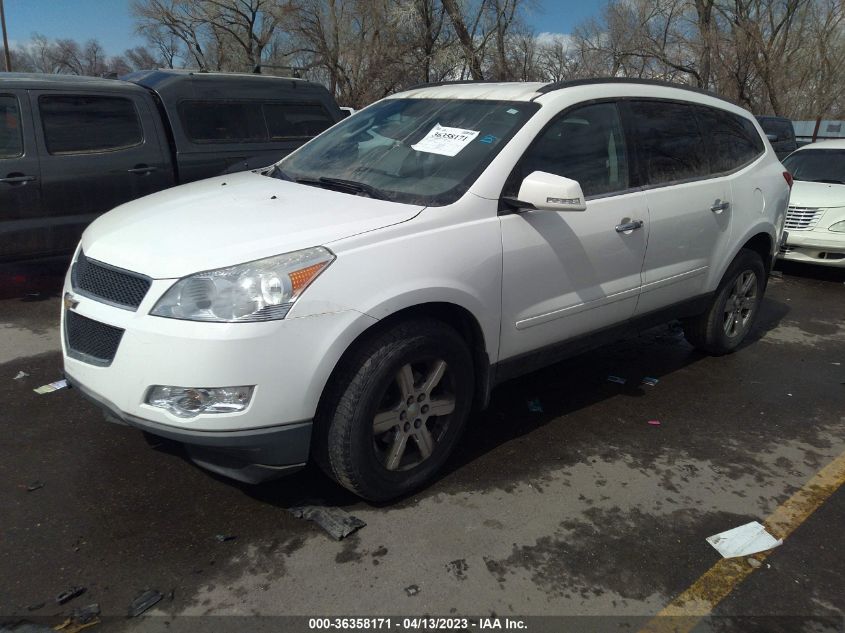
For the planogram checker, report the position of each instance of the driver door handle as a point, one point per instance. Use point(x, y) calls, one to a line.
point(633, 225)
point(15, 179)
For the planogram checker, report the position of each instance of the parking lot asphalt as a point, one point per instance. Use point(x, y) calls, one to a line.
point(582, 509)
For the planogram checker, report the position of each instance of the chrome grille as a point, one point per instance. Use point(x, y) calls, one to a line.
point(106, 283)
point(802, 218)
point(91, 341)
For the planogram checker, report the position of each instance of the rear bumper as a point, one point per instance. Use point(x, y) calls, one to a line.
point(250, 456)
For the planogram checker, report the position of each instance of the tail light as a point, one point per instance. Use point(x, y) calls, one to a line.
point(788, 178)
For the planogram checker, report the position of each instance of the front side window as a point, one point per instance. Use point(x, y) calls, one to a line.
point(817, 165)
point(585, 144)
point(11, 141)
point(418, 151)
point(669, 144)
point(81, 124)
point(732, 139)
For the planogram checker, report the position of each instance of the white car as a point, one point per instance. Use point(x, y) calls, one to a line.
point(816, 216)
point(354, 302)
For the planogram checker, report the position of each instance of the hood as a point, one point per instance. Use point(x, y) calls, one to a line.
point(816, 194)
point(230, 220)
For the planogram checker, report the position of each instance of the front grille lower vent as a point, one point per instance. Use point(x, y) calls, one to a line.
point(91, 341)
point(106, 283)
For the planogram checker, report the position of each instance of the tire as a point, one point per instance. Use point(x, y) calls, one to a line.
point(376, 431)
point(730, 317)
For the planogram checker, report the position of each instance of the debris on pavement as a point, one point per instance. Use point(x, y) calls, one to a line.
point(535, 406)
point(81, 619)
point(744, 540)
point(654, 422)
point(70, 594)
point(338, 523)
point(616, 379)
point(53, 386)
point(412, 590)
point(35, 485)
point(143, 602)
point(756, 564)
point(223, 538)
point(649, 381)
point(21, 374)
point(36, 606)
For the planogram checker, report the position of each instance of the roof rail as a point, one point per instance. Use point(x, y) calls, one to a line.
point(455, 83)
point(560, 85)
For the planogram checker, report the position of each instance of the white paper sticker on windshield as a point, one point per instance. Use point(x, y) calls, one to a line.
point(447, 141)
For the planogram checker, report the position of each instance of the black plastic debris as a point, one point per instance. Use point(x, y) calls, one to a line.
point(223, 538)
point(143, 602)
point(35, 607)
point(70, 594)
point(86, 614)
point(338, 523)
point(412, 590)
point(35, 485)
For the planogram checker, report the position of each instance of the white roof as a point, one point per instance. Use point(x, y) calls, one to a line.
point(506, 91)
point(832, 144)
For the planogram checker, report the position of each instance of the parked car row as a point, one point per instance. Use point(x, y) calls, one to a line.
point(352, 303)
point(72, 148)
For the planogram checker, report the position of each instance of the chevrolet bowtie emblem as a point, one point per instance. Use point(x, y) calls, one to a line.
point(70, 301)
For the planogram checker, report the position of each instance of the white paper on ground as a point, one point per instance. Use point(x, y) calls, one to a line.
point(446, 141)
point(743, 540)
point(53, 386)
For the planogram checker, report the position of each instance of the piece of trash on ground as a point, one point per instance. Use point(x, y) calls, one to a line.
point(53, 386)
point(80, 619)
point(35, 485)
point(35, 607)
point(744, 540)
point(649, 381)
point(70, 594)
point(756, 564)
point(21, 374)
point(412, 590)
point(534, 405)
point(338, 523)
point(225, 537)
point(143, 602)
point(616, 379)
point(654, 422)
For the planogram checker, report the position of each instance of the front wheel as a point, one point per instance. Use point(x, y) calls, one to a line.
point(396, 409)
point(735, 305)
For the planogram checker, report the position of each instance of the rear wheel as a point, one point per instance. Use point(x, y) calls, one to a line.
point(396, 410)
point(731, 314)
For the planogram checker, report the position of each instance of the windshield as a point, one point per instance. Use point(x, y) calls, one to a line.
point(418, 151)
point(817, 165)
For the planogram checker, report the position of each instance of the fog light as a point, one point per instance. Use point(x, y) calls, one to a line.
point(188, 402)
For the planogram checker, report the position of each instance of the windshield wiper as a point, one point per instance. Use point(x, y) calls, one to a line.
point(341, 184)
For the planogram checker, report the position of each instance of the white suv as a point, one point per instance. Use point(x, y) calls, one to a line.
point(356, 300)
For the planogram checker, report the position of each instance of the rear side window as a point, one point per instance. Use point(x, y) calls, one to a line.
point(79, 124)
point(670, 146)
point(732, 139)
point(223, 122)
point(585, 144)
point(251, 121)
point(296, 120)
point(11, 141)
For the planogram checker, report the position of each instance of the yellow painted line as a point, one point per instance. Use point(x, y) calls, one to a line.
point(684, 612)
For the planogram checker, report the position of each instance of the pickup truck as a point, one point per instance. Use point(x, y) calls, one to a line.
point(71, 148)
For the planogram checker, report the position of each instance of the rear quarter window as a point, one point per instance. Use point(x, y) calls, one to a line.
point(733, 140)
point(296, 120)
point(80, 124)
point(11, 140)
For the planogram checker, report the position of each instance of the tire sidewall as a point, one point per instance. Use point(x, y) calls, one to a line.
point(745, 261)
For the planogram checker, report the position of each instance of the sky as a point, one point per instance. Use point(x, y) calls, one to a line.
point(110, 21)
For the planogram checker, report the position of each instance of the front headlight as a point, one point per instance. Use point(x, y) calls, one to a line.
point(262, 290)
point(839, 227)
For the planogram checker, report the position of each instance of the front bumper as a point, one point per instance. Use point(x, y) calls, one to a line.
point(250, 456)
point(815, 247)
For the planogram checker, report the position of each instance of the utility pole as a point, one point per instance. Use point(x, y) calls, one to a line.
point(5, 39)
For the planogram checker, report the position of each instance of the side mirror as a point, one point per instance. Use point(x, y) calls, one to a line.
point(772, 138)
point(549, 192)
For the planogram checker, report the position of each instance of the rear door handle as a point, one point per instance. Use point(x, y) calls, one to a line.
point(142, 169)
point(633, 225)
point(14, 180)
point(720, 206)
